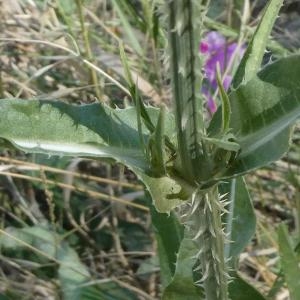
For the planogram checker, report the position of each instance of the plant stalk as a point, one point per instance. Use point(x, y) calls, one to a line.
point(203, 218)
point(206, 226)
point(184, 22)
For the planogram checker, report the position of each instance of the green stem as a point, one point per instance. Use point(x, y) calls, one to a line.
point(204, 220)
point(206, 226)
point(184, 21)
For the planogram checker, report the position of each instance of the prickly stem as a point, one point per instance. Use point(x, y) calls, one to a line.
point(193, 162)
point(184, 31)
point(206, 227)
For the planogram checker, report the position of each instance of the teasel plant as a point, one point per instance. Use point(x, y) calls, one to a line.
point(192, 167)
point(197, 161)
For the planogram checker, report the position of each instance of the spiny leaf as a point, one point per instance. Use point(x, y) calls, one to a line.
point(95, 130)
point(56, 128)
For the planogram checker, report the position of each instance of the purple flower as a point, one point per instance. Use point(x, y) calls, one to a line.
point(217, 51)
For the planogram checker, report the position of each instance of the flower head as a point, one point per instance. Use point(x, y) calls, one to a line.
point(217, 51)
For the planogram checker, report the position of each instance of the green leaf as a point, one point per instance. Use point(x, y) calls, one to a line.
point(95, 130)
point(253, 56)
point(182, 286)
point(262, 109)
point(160, 190)
point(224, 142)
point(57, 128)
point(156, 145)
point(239, 289)
point(226, 110)
point(289, 262)
point(240, 219)
point(169, 234)
point(262, 112)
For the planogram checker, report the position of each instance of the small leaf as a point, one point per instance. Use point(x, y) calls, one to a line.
point(289, 262)
point(263, 110)
point(135, 96)
point(156, 146)
point(161, 189)
point(226, 110)
point(224, 143)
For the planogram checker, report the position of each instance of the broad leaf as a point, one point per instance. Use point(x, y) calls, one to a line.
point(56, 128)
point(240, 220)
point(262, 112)
point(289, 262)
point(95, 130)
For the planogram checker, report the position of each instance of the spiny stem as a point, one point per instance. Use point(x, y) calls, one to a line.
point(184, 21)
point(205, 223)
point(204, 218)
